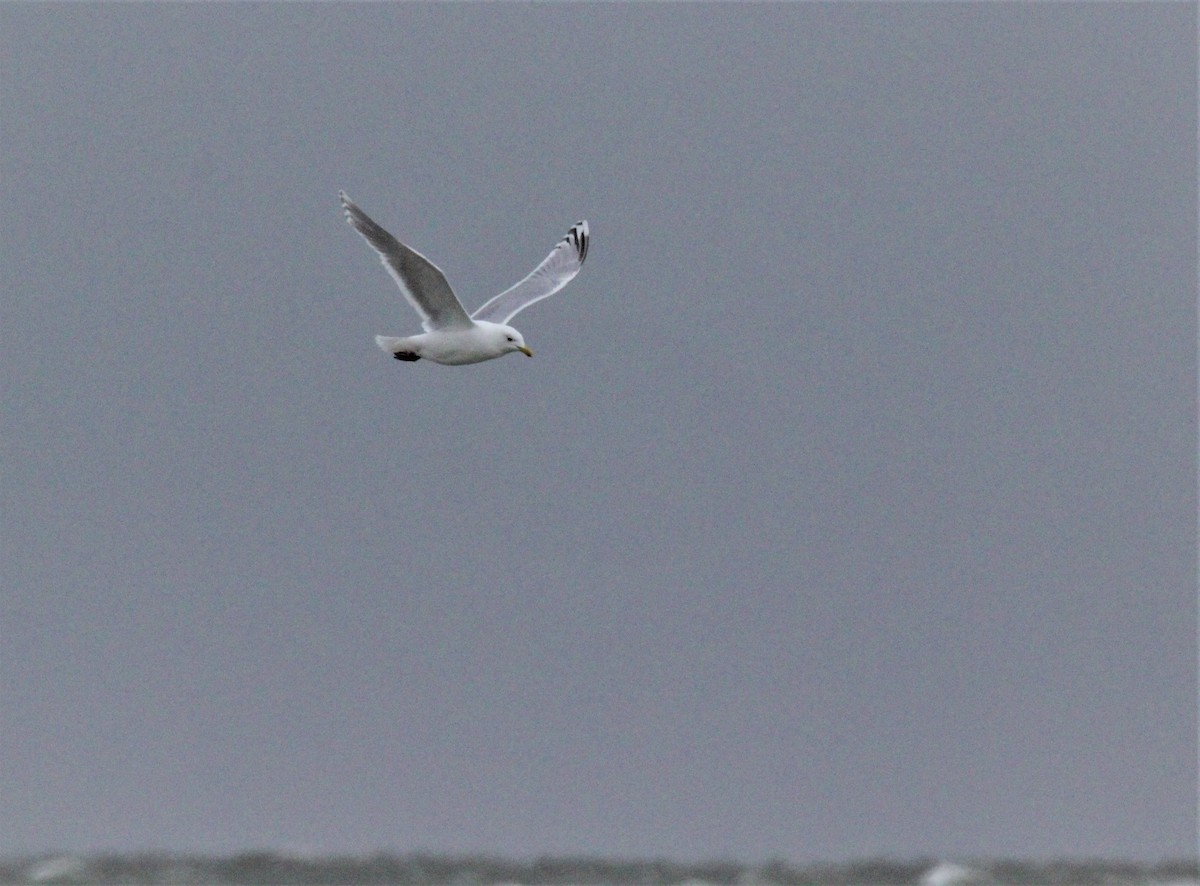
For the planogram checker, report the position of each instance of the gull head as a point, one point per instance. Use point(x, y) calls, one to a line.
point(513, 340)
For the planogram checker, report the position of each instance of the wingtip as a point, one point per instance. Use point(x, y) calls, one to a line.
point(347, 206)
point(579, 235)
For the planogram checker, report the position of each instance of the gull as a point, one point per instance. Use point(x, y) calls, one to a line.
point(451, 335)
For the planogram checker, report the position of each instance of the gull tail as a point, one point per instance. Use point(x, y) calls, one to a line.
point(397, 347)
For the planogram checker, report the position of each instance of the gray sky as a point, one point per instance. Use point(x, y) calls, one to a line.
point(848, 506)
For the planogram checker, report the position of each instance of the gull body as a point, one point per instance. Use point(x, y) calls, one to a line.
point(456, 347)
point(451, 335)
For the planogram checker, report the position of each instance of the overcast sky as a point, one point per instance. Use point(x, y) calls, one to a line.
point(848, 506)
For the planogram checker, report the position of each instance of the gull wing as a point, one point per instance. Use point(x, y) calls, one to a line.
point(555, 272)
point(421, 281)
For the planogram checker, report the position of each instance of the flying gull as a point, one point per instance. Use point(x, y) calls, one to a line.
point(451, 335)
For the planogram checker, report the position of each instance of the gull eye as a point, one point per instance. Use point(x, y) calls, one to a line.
point(510, 338)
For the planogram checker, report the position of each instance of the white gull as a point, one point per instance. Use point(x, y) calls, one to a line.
point(451, 335)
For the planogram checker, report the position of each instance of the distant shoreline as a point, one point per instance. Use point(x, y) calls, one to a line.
point(270, 868)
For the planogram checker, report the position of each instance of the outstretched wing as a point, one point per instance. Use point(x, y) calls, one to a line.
point(422, 283)
point(555, 272)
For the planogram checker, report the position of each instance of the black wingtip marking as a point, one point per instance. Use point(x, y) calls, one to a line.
point(406, 356)
point(578, 238)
